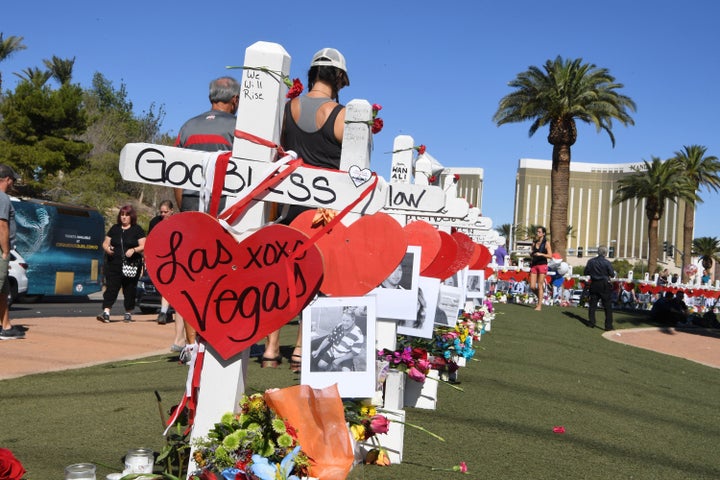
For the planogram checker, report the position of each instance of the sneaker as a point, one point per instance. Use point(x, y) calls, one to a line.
point(104, 317)
point(162, 318)
point(127, 318)
point(11, 333)
point(185, 356)
point(176, 348)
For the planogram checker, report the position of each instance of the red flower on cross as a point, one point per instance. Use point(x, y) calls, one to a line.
point(295, 89)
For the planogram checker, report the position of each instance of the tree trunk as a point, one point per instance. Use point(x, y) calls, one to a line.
point(560, 185)
point(688, 227)
point(652, 244)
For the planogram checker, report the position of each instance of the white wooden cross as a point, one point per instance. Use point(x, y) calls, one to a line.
point(259, 113)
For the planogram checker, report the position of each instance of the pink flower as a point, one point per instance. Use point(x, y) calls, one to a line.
point(416, 375)
point(406, 355)
point(376, 108)
point(560, 429)
point(379, 424)
point(423, 365)
point(463, 467)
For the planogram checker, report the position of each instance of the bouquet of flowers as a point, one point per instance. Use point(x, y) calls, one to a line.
point(457, 341)
point(364, 421)
point(411, 360)
point(252, 444)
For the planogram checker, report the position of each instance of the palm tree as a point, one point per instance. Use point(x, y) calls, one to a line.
point(8, 46)
point(60, 69)
point(505, 230)
point(702, 171)
point(655, 182)
point(708, 249)
point(567, 90)
point(35, 76)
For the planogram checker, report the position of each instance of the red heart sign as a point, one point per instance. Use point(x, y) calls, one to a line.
point(358, 257)
point(427, 237)
point(233, 294)
point(483, 259)
point(465, 251)
point(446, 255)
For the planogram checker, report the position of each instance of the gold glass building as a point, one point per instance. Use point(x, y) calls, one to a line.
point(594, 219)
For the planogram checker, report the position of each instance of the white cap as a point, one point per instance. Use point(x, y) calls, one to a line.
point(329, 57)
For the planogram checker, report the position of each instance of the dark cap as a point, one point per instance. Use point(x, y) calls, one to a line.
point(7, 171)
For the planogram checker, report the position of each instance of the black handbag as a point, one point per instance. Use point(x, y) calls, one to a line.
point(130, 266)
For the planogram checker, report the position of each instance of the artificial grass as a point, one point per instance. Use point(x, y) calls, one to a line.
point(627, 412)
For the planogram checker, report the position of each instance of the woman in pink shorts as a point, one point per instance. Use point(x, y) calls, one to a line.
point(541, 251)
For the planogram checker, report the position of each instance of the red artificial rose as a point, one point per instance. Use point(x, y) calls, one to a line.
point(456, 177)
point(432, 179)
point(376, 108)
point(379, 424)
point(419, 353)
point(421, 149)
point(208, 475)
point(296, 89)
point(10, 467)
point(377, 125)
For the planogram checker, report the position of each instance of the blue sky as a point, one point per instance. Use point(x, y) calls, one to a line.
point(437, 68)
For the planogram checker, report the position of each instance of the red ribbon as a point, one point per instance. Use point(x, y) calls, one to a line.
point(260, 141)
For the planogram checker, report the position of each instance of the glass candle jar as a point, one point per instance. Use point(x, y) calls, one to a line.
point(139, 460)
point(80, 471)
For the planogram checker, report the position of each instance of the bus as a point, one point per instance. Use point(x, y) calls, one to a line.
point(62, 245)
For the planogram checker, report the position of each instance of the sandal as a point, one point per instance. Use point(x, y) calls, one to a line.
point(295, 362)
point(271, 362)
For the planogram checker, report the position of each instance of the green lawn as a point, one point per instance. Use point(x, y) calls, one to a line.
point(627, 412)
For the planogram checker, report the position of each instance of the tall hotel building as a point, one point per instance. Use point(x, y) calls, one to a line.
point(594, 219)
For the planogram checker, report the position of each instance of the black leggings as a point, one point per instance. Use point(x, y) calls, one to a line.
point(114, 281)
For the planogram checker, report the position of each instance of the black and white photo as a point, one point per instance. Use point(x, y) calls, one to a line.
point(339, 344)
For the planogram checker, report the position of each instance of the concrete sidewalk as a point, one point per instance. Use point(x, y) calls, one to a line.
point(62, 343)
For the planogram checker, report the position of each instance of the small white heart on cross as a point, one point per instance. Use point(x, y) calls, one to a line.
point(359, 175)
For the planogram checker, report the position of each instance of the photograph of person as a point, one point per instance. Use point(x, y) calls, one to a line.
point(397, 294)
point(422, 325)
point(475, 284)
point(450, 301)
point(339, 343)
point(338, 350)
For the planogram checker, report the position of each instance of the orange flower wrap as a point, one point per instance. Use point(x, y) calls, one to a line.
point(319, 418)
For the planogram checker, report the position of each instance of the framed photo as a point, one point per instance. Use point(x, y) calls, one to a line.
point(397, 295)
point(475, 284)
point(339, 345)
point(422, 325)
point(450, 301)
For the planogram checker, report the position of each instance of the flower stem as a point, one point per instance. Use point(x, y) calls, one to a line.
point(446, 383)
point(415, 426)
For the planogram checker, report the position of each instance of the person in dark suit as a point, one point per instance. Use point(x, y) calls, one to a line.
point(600, 271)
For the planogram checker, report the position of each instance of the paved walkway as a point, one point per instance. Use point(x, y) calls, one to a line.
point(700, 345)
point(62, 343)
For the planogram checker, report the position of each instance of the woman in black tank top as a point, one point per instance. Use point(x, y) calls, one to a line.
point(540, 253)
point(318, 145)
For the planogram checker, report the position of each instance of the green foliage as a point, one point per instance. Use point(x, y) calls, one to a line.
point(40, 131)
point(621, 267)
